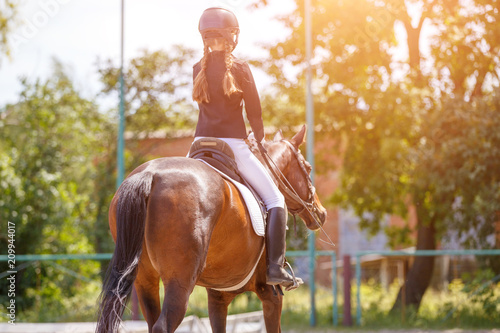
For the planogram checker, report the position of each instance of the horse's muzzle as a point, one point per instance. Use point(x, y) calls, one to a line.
point(316, 216)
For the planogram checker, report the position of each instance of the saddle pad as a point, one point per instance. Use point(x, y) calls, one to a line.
point(250, 201)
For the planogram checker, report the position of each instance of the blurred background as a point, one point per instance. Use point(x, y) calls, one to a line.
point(407, 144)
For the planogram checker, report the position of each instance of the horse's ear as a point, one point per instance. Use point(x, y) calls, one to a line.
point(278, 136)
point(299, 138)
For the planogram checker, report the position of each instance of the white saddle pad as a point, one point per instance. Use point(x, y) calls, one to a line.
point(250, 201)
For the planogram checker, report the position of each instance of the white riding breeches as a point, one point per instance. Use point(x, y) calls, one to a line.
point(254, 173)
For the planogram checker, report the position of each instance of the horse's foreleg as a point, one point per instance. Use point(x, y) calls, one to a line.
point(271, 305)
point(218, 302)
point(147, 284)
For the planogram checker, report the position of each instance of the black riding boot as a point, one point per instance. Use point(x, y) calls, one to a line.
point(276, 247)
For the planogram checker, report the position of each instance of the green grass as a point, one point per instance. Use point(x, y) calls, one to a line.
point(59, 308)
point(296, 306)
point(468, 303)
point(462, 305)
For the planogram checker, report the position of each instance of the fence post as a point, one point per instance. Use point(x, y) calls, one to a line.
point(334, 290)
point(358, 289)
point(347, 321)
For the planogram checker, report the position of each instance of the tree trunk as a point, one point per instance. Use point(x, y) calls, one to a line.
point(477, 92)
point(420, 274)
point(413, 43)
point(413, 46)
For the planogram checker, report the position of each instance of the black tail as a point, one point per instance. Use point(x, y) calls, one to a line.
point(130, 224)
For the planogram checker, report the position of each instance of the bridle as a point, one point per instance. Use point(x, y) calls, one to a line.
point(292, 195)
point(287, 189)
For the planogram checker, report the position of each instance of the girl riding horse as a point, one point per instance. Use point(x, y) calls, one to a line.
point(221, 84)
point(176, 220)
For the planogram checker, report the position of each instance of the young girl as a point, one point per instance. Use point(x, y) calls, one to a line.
point(221, 84)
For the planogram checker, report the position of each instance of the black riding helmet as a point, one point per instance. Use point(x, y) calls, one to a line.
point(219, 22)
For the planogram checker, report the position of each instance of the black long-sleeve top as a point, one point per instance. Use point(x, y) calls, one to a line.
point(223, 116)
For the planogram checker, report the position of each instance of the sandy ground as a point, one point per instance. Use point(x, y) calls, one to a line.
point(395, 331)
point(141, 327)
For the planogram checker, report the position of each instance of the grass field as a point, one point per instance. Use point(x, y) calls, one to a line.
point(473, 304)
point(462, 305)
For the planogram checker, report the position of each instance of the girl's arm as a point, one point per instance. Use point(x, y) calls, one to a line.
point(252, 103)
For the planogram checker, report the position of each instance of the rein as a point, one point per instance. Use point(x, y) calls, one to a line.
point(307, 204)
point(288, 189)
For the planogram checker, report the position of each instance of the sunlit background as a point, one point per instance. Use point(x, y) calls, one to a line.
point(406, 105)
point(79, 32)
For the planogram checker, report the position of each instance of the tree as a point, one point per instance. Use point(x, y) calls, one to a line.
point(52, 143)
point(398, 120)
point(8, 13)
point(157, 86)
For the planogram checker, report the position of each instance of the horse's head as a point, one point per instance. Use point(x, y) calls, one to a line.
point(302, 199)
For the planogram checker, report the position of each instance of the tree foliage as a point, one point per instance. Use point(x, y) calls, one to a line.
point(413, 130)
point(8, 14)
point(53, 144)
point(156, 90)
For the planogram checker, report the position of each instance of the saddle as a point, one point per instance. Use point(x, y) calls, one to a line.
point(220, 156)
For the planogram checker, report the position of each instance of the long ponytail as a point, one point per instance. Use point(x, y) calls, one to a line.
point(200, 87)
point(229, 85)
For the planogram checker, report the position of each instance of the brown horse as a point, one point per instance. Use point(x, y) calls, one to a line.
point(178, 220)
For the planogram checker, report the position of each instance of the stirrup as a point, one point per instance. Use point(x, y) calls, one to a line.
point(296, 280)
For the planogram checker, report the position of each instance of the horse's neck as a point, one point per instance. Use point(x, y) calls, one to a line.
point(277, 161)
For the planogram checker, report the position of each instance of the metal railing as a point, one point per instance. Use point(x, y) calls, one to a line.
point(421, 253)
point(333, 255)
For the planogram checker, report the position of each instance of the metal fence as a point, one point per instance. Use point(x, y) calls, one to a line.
point(361, 272)
point(427, 253)
point(333, 256)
